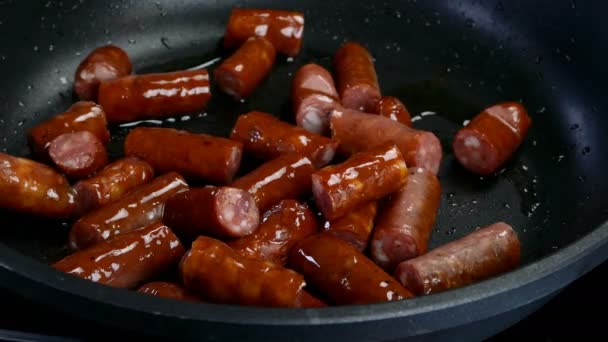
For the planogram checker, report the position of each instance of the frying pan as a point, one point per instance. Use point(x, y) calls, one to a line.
point(451, 58)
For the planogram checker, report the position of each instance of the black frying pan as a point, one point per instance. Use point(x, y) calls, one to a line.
point(451, 58)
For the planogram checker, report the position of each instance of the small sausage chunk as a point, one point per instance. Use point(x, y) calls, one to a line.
point(357, 79)
point(356, 226)
point(167, 290)
point(79, 154)
point(394, 109)
point(104, 63)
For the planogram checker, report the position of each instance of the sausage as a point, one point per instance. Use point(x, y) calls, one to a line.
point(140, 207)
point(314, 96)
point(267, 137)
point(491, 138)
point(216, 272)
point(111, 183)
point(405, 223)
point(356, 226)
point(356, 131)
point(366, 176)
point(78, 154)
point(104, 63)
point(127, 260)
point(306, 300)
point(285, 177)
point(342, 273)
point(282, 226)
point(283, 28)
point(138, 97)
point(196, 156)
point(222, 212)
point(33, 188)
point(394, 109)
point(482, 254)
point(167, 290)
point(357, 80)
point(81, 116)
point(241, 73)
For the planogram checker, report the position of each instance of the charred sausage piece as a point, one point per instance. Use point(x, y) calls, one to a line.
point(354, 227)
point(104, 63)
point(357, 79)
point(79, 154)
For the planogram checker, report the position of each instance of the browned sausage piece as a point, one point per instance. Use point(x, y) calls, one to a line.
point(267, 137)
point(34, 188)
point(364, 177)
point(286, 177)
point(356, 131)
point(139, 97)
point(314, 96)
point(140, 207)
point(214, 271)
point(405, 223)
point(357, 79)
point(283, 28)
point(196, 156)
point(282, 226)
point(104, 63)
point(223, 212)
point(356, 226)
point(241, 73)
point(111, 183)
point(394, 109)
point(343, 274)
point(482, 254)
point(78, 154)
point(167, 290)
point(81, 116)
point(306, 300)
point(491, 138)
point(126, 260)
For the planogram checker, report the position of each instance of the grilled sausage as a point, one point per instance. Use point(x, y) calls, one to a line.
point(78, 154)
point(357, 80)
point(167, 290)
point(394, 109)
point(104, 63)
point(354, 227)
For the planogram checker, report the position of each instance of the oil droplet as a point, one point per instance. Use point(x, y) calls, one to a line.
point(451, 231)
point(586, 150)
point(450, 194)
point(574, 126)
point(132, 41)
point(507, 206)
point(36, 48)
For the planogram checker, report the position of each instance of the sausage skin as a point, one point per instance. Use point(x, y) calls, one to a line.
point(78, 155)
point(167, 290)
point(104, 63)
point(394, 109)
point(357, 80)
point(354, 227)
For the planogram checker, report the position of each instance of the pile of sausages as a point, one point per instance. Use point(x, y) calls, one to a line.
point(370, 178)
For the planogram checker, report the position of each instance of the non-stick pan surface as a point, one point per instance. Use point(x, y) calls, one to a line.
point(447, 60)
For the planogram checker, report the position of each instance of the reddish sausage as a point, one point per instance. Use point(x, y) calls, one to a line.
point(241, 73)
point(222, 212)
point(356, 75)
point(306, 300)
point(491, 138)
point(393, 109)
point(405, 223)
point(104, 63)
point(216, 272)
point(78, 154)
point(314, 96)
point(167, 290)
point(34, 188)
point(366, 176)
point(128, 259)
point(282, 226)
point(286, 177)
point(111, 183)
point(356, 131)
point(482, 254)
point(342, 273)
point(267, 137)
point(356, 226)
point(138, 97)
point(283, 28)
point(81, 116)
point(138, 208)
point(197, 156)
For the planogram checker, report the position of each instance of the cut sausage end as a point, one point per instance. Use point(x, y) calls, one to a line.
point(238, 213)
point(78, 154)
point(322, 198)
point(409, 277)
point(427, 154)
point(475, 152)
point(229, 83)
point(312, 120)
point(325, 154)
point(389, 250)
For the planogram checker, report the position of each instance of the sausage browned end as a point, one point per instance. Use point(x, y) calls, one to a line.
point(240, 74)
point(357, 80)
point(222, 212)
point(33, 188)
point(364, 177)
point(139, 97)
point(140, 207)
point(196, 156)
point(491, 138)
point(343, 274)
point(167, 290)
point(314, 96)
point(267, 137)
point(394, 109)
point(78, 155)
point(283, 28)
point(128, 259)
point(216, 272)
point(104, 63)
point(356, 226)
point(406, 221)
point(482, 254)
point(356, 131)
point(282, 226)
